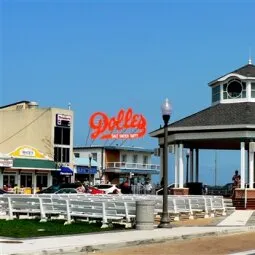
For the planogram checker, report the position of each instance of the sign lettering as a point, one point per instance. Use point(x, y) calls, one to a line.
point(110, 128)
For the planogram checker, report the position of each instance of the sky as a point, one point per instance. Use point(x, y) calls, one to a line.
point(109, 55)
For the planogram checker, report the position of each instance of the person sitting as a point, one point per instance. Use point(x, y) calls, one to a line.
point(236, 182)
point(236, 179)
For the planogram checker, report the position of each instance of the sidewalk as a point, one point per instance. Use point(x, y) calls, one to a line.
point(83, 243)
point(108, 240)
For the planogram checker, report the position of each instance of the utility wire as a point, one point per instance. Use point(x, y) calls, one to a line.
point(87, 137)
point(10, 137)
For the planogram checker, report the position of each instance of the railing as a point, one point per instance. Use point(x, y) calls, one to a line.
point(127, 165)
point(141, 190)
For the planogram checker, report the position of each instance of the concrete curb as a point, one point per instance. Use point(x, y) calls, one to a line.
point(93, 248)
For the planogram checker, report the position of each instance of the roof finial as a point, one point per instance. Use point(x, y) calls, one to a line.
point(250, 61)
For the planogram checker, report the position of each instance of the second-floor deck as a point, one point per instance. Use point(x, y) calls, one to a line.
point(132, 167)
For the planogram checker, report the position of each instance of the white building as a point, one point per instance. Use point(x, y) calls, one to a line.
point(117, 163)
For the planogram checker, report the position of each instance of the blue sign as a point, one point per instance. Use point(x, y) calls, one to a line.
point(86, 170)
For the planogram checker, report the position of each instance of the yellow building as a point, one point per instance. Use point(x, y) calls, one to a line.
point(36, 143)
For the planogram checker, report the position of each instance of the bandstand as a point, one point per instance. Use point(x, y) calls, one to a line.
point(228, 124)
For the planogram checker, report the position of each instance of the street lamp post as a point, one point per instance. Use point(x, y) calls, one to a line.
point(90, 158)
point(166, 112)
point(187, 166)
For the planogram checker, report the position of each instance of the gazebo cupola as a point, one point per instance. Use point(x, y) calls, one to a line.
point(235, 87)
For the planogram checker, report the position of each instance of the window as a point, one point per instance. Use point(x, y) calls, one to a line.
point(61, 154)
point(234, 89)
point(135, 158)
point(216, 94)
point(62, 135)
point(253, 89)
point(9, 179)
point(94, 156)
point(77, 155)
point(26, 180)
point(124, 158)
point(42, 180)
point(145, 160)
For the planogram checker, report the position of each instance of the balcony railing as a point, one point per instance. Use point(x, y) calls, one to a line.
point(127, 165)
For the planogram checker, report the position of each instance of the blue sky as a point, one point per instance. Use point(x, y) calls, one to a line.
point(107, 55)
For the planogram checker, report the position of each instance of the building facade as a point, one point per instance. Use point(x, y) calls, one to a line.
point(117, 163)
point(38, 142)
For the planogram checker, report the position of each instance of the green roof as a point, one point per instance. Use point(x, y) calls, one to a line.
point(34, 164)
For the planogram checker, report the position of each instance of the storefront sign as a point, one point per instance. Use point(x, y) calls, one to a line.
point(27, 151)
point(113, 128)
point(63, 120)
point(6, 162)
point(86, 170)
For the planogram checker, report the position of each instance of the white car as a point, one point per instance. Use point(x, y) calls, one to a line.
point(108, 188)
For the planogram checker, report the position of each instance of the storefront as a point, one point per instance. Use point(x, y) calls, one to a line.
point(27, 168)
point(85, 170)
point(29, 173)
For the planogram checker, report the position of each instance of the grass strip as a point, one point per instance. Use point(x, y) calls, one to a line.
point(33, 228)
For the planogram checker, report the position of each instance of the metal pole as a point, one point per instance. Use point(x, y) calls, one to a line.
point(165, 221)
point(187, 169)
point(90, 157)
point(215, 169)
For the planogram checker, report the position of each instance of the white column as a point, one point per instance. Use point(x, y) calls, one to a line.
point(251, 166)
point(73, 178)
point(242, 167)
point(34, 182)
point(176, 163)
point(180, 165)
point(50, 179)
point(17, 178)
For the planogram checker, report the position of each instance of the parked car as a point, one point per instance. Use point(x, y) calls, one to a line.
point(108, 188)
point(94, 191)
point(55, 188)
point(66, 191)
point(3, 191)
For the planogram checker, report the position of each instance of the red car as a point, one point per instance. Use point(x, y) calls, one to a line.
point(93, 191)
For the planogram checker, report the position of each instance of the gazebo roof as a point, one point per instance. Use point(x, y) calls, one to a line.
point(225, 115)
point(247, 71)
point(220, 114)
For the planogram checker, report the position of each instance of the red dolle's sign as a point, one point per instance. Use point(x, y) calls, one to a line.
point(112, 128)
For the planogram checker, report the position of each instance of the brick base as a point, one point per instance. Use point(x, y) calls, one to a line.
point(239, 199)
point(180, 191)
point(240, 193)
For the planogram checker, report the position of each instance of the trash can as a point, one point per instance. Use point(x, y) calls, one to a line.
point(145, 214)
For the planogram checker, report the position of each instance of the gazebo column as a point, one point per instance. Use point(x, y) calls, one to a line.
point(176, 166)
point(197, 165)
point(242, 166)
point(179, 190)
point(180, 165)
point(251, 167)
point(191, 165)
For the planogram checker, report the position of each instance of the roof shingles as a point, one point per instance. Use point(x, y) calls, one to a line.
point(220, 114)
